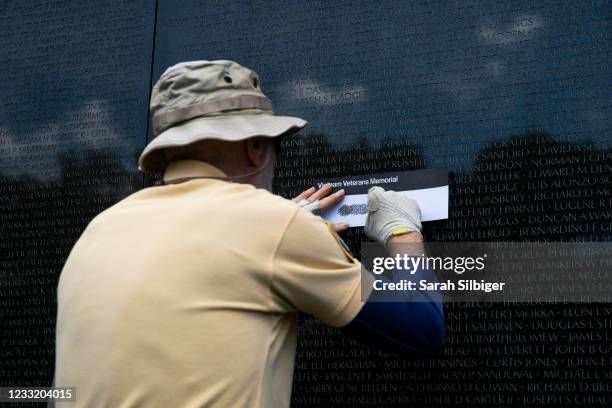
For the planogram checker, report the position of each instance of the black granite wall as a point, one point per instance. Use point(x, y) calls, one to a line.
point(513, 96)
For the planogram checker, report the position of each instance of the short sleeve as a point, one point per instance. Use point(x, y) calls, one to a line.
point(314, 273)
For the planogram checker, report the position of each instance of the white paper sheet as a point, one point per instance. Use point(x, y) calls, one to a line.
point(352, 210)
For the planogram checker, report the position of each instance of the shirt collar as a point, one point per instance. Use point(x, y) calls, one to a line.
point(191, 168)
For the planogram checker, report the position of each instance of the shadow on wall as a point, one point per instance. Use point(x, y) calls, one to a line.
point(529, 187)
point(41, 221)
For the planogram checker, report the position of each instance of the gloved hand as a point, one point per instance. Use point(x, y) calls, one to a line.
point(389, 211)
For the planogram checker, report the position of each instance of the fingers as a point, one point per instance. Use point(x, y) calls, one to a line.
point(312, 194)
point(321, 193)
point(374, 194)
point(331, 200)
point(340, 227)
point(304, 195)
point(322, 196)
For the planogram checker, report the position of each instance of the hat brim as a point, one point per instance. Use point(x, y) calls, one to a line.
point(225, 127)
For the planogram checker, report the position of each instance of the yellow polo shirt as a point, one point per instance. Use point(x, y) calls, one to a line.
point(186, 295)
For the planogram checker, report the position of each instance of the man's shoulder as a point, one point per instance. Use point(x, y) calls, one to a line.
point(238, 201)
point(263, 201)
point(270, 198)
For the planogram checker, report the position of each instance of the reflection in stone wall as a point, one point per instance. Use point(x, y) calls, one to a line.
point(512, 97)
point(74, 86)
point(526, 188)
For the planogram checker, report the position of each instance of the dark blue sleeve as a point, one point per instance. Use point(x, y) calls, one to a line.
point(414, 327)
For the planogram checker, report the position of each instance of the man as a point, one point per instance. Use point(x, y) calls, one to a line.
point(186, 294)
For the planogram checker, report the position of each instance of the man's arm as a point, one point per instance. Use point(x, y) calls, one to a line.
point(415, 326)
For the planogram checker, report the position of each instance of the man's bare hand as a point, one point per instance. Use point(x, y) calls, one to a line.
point(321, 200)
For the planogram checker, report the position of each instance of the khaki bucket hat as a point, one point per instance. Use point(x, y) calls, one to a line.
point(200, 100)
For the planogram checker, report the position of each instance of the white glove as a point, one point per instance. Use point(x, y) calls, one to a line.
point(389, 211)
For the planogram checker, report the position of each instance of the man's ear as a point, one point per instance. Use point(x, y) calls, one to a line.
point(256, 150)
